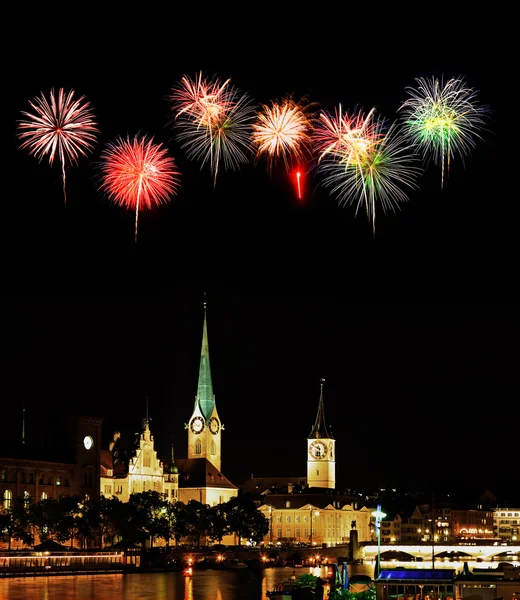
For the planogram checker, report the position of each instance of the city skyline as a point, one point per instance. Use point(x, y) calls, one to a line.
point(413, 325)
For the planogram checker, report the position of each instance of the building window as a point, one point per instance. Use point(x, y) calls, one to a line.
point(22, 477)
point(26, 499)
point(288, 519)
point(43, 496)
point(50, 480)
point(213, 448)
point(8, 496)
point(3, 475)
point(198, 447)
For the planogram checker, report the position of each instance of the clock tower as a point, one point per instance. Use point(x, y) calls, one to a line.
point(204, 426)
point(321, 457)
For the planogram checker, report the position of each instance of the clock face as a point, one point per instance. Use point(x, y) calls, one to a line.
point(318, 450)
point(88, 442)
point(197, 424)
point(214, 425)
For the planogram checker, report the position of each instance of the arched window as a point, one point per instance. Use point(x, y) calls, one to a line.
point(3, 475)
point(26, 499)
point(198, 447)
point(213, 448)
point(8, 496)
point(43, 496)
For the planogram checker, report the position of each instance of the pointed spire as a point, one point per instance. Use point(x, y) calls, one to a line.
point(146, 420)
point(205, 398)
point(320, 428)
point(23, 423)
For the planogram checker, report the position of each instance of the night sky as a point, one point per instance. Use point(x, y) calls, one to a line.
point(414, 329)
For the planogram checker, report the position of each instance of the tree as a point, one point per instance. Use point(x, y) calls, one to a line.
point(45, 518)
point(245, 519)
point(15, 524)
point(150, 514)
point(198, 521)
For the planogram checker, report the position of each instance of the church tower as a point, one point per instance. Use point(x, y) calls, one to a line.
point(204, 427)
point(321, 461)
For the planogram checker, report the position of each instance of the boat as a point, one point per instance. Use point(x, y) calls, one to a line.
point(232, 563)
point(282, 591)
point(290, 590)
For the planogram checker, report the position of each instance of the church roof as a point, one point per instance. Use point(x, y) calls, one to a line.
point(199, 472)
point(315, 497)
point(320, 428)
point(260, 485)
point(205, 398)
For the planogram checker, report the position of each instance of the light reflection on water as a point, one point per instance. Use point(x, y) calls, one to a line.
point(243, 584)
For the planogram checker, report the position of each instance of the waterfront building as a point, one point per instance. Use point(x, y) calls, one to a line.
point(197, 477)
point(311, 511)
point(67, 465)
point(506, 524)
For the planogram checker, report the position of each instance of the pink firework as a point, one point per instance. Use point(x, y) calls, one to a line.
point(348, 137)
point(213, 122)
point(202, 100)
point(58, 126)
point(136, 172)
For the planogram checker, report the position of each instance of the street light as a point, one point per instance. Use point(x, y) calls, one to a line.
point(379, 515)
point(271, 525)
point(310, 517)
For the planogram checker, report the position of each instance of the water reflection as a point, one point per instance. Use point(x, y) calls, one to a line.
point(202, 585)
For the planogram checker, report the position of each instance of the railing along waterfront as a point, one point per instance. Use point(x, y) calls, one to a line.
point(44, 563)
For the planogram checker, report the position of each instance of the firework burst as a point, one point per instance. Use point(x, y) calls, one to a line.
point(364, 162)
point(138, 173)
point(213, 122)
point(282, 132)
point(442, 120)
point(59, 125)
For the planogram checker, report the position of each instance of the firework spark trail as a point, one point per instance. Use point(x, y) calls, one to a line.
point(61, 126)
point(137, 172)
point(443, 120)
point(364, 162)
point(213, 122)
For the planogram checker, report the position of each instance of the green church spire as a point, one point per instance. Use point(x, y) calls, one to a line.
point(205, 398)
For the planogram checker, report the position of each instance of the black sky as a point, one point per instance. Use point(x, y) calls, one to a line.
point(414, 329)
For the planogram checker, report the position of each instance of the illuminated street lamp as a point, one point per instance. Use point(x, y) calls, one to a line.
point(379, 515)
point(271, 525)
point(310, 517)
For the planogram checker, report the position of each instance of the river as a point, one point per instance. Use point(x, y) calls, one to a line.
point(240, 584)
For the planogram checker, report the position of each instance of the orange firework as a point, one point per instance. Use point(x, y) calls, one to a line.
point(282, 132)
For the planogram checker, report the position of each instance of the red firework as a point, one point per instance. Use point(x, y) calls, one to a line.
point(136, 173)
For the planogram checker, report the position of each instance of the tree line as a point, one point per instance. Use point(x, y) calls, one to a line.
point(146, 518)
